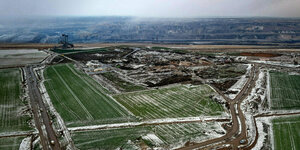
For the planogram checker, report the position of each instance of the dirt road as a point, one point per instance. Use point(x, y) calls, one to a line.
point(41, 117)
point(234, 134)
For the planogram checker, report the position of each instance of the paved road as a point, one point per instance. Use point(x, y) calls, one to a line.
point(42, 118)
point(234, 106)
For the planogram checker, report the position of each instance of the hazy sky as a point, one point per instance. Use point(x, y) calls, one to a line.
point(151, 8)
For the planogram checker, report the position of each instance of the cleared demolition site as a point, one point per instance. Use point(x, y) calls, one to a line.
point(150, 96)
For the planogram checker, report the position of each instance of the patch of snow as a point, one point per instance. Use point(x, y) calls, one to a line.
point(276, 63)
point(237, 87)
point(25, 144)
point(149, 122)
point(153, 138)
point(269, 90)
point(260, 130)
point(2, 134)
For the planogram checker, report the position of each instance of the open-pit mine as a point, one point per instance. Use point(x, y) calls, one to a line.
point(149, 96)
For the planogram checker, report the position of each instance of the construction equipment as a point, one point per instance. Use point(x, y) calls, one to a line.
point(65, 42)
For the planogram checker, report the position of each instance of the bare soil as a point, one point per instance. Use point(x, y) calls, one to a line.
point(260, 54)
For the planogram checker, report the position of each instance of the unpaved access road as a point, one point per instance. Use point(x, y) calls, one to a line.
point(233, 135)
point(41, 116)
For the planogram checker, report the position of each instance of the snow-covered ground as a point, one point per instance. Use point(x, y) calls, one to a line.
point(277, 63)
point(262, 135)
point(239, 84)
point(153, 138)
point(258, 92)
point(18, 133)
point(149, 122)
point(25, 144)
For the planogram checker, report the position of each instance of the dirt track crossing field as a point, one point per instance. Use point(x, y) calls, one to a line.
point(171, 102)
point(78, 99)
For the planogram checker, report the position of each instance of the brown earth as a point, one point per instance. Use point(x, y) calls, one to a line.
point(203, 48)
point(260, 54)
point(224, 86)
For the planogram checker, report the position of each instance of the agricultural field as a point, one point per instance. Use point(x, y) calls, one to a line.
point(171, 102)
point(79, 99)
point(166, 136)
point(286, 133)
point(11, 143)
point(12, 110)
point(285, 91)
point(123, 85)
point(171, 134)
point(109, 139)
point(10, 58)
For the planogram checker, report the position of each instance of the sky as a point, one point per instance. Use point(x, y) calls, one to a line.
point(151, 8)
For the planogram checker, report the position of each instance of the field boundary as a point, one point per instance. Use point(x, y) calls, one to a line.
point(145, 123)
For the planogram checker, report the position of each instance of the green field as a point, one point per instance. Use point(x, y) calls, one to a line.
point(125, 86)
point(108, 139)
point(12, 117)
point(171, 102)
point(285, 91)
point(286, 133)
point(79, 99)
point(10, 143)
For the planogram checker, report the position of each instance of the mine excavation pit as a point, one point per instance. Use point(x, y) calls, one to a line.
point(148, 67)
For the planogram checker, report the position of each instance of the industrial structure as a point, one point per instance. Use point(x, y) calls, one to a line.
point(64, 40)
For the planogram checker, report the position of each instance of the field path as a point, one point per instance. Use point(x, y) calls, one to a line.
point(149, 122)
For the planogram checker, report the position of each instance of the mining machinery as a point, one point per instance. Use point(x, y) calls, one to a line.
point(65, 42)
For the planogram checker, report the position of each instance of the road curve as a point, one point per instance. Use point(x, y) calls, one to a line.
point(233, 131)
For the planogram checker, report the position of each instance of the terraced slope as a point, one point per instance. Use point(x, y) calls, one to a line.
point(12, 110)
point(79, 99)
point(172, 102)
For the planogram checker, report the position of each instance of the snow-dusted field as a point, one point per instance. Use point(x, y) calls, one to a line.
point(79, 99)
point(20, 57)
point(171, 102)
point(168, 136)
point(13, 112)
point(11, 143)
